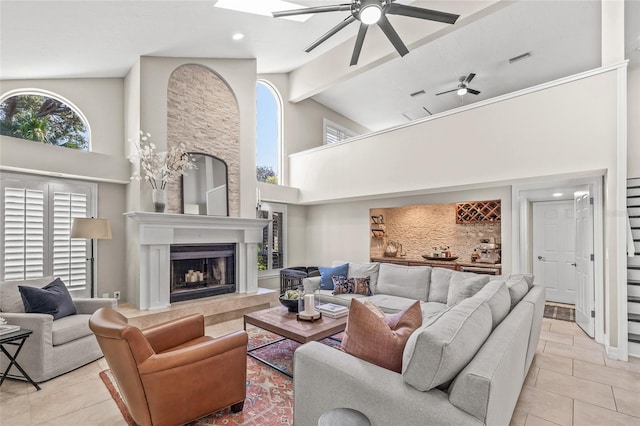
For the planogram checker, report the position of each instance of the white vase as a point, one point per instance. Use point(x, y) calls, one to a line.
point(159, 198)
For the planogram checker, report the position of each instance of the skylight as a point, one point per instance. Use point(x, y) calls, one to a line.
point(262, 7)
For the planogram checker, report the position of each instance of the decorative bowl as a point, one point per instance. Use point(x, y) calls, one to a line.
point(428, 257)
point(291, 304)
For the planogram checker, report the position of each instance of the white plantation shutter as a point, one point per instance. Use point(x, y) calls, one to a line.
point(69, 255)
point(336, 133)
point(272, 250)
point(23, 233)
point(36, 214)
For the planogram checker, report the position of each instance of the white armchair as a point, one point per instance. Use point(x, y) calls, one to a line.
point(55, 347)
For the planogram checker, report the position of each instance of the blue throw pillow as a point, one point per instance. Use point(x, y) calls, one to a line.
point(326, 283)
point(53, 299)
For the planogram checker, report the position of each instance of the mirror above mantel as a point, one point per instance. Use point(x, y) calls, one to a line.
point(205, 189)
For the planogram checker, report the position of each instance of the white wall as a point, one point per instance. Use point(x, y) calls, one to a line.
point(101, 101)
point(633, 123)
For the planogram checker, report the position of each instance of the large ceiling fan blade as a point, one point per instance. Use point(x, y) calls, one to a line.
point(473, 92)
point(330, 33)
point(418, 12)
point(392, 35)
point(448, 91)
point(318, 9)
point(359, 41)
point(469, 78)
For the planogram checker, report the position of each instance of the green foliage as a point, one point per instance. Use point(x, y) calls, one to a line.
point(42, 119)
point(266, 174)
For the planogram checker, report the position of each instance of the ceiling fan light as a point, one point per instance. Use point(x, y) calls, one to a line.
point(462, 91)
point(370, 14)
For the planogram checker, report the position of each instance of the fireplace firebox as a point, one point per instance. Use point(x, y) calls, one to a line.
point(202, 270)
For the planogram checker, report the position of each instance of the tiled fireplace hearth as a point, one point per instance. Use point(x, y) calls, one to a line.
point(152, 235)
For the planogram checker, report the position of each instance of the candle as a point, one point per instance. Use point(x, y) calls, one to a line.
point(309, 308)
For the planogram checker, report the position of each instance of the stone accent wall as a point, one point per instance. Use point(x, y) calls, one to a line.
point(420, 228)
point(202, 113)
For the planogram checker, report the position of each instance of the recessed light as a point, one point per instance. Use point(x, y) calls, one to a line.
point(237, 36)
point(557, 194)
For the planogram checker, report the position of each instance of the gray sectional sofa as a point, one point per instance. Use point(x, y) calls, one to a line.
point(464, 366)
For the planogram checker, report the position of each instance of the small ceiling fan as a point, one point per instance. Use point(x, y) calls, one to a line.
point(463, 87)
point(370, 12)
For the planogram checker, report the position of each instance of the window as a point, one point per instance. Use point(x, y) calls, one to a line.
point(37, 214)
point(271, 252)
point(336, 133)
point(43, 117)
point(268, 134)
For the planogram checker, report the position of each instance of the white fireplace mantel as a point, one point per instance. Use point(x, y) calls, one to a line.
point(156, 232)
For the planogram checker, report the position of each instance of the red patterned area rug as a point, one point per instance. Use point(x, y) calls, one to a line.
point(269, 392)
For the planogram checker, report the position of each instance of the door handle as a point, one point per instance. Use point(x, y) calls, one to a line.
point(573, 264)
point(541, 258)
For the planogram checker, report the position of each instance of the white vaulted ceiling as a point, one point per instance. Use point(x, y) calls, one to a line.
point(75, 39)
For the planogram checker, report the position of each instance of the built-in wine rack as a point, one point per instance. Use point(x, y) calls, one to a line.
point(478, 212)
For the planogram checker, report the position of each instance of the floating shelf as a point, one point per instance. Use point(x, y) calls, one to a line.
point(478, 212)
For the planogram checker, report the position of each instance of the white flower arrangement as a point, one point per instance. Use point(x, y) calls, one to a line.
point(163, 167)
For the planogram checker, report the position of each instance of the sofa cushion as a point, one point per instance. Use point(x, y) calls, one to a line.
point(497, 296)
point(527, 277)
point(391, 304)
point(380, 341)
point(327, 273)
point(464, 285)
point(10, 298)
point(518, 288)
point(404, 281)
point(441, 348)
point(327, 296)
point(53, 299)
point(344, 285)
point(360, 270)
point(432, 308)
point(70, 328)
point(439, 285)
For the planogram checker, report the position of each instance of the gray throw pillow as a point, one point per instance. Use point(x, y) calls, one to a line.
point(464, 285)
point(518, 288)
point(53, 299)
point(439, 285)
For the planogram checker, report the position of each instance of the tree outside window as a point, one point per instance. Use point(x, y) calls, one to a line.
point(43, 119)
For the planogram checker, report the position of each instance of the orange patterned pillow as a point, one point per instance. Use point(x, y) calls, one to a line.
point(378, 340)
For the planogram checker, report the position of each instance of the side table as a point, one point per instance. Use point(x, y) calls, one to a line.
point(17, 338)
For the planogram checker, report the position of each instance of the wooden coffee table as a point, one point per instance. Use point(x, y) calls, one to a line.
point(280, 321)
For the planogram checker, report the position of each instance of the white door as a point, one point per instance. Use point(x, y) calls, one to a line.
point(584, 263)
point(554, 249)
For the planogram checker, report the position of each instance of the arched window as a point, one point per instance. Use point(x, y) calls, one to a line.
point(43, 117)
point(269, 134)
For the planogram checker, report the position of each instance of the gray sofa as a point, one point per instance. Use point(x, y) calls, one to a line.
point(465, 365)
point(55, 347)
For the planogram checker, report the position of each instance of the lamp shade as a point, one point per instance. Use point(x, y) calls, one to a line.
point(91, 228)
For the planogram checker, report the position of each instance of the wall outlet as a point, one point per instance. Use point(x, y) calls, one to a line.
point(105, 295)
point(116, 295)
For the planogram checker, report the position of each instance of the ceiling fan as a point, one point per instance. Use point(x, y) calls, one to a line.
point(370, 12)
point(463, 87)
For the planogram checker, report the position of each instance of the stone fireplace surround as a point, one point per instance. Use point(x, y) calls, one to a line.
point(156, 232)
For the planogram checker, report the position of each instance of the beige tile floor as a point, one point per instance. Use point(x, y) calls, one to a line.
point(571, 382)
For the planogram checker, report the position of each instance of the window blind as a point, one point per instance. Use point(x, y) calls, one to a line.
point(335, 133)
point(69, 255)
point(23, 233)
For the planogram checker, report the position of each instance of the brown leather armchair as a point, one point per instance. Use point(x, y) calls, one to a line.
point(172, 373)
